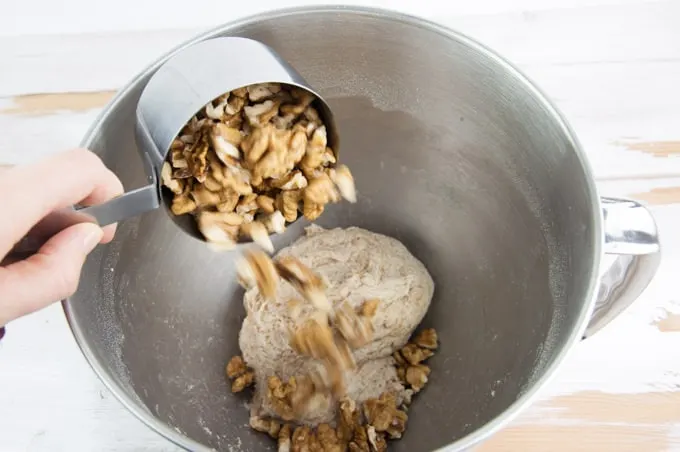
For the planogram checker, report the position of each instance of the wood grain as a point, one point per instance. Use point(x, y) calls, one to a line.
point(655, 148)
point(659, 196)
point(592, 420)
point(50, 103)
point(580, 437)
point(670, 323)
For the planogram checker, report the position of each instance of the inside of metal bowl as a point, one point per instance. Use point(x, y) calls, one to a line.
point(453, 153)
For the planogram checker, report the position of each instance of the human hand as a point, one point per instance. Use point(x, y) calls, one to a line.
point(29, 194)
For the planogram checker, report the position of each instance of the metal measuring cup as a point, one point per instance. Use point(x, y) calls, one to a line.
point(188, 80)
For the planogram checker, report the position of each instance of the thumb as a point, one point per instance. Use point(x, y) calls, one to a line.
point(50, 275)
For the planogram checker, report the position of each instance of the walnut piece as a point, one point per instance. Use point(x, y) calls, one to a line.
point(398, 425)
point(370, 307)
point(241, 375)
point(280, 396)
point(357, 330)
point(243, 381)
point(401, 374)
point(247, 204)
point(215, 109)
point(384, 416)
point(314, 155)
point(204, 197)
point(275, 222)
point(256, 144)
point(292, 181)
point(258, 270)
point(166, 177)
point(237, 179)
point(236, 367)
point(260, 114)
point(343, 180)
point(304, 440)
point(328, 438)
point(414, 354)
point(275, 163)
point(376, 440)
point(228, 200)
point(265, 204)
point(349, 418)
point(426, 339)
point(407, 398)
point(305, 281)
point(225, 141)
point(380, 412)
point(320, 190)
point(269, 426)
point(182, 204)
point(294, 398)
point(399, 359)
point(302, 99)
point(416, 376)
point(198, 157)
point(328, 378)
point(312, 210)
point(258, 232)
point(284, 439)
point(314, 338)
point(360, 440)
point(219, 227)
point(308, 397)
point(262, 91)
point(287, 204)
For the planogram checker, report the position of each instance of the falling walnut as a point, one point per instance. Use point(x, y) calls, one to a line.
point(250, 161)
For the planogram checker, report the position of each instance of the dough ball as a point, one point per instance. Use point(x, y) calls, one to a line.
point(356, 265)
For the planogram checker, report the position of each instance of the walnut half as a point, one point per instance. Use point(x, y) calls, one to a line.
point(258, 270)
point(416, 376)
point(426, 339)
point(284, 439)
point(269, 426)
point(356, 329)
point(308, 283)
point(240, 374)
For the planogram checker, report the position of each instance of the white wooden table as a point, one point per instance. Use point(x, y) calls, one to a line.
point(612, 66)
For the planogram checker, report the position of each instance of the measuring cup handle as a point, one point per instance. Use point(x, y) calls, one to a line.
point(632, 244)
point(127, 205)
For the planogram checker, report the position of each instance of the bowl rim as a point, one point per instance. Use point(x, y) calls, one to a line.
point(526, 397)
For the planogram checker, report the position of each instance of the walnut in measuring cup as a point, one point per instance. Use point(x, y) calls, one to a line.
point(251, 161)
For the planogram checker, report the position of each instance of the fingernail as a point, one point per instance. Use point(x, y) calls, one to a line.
point(92, 238)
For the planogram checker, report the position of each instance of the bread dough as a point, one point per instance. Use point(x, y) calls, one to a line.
point(356, 265)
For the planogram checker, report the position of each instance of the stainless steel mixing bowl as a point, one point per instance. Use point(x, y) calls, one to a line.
point(456, 154)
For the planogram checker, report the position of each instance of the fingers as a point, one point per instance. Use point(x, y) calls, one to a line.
point(50, 275)
point(111, 188)
point(56, 182)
